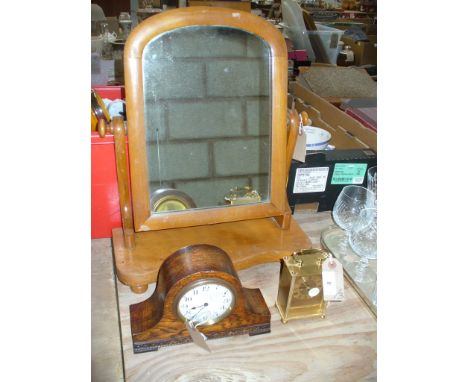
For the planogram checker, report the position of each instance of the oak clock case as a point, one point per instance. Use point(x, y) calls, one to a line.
point(198, 284)
point(206, 96)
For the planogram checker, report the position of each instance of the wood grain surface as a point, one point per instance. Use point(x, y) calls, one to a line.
point(342, 347)
point(106, 365)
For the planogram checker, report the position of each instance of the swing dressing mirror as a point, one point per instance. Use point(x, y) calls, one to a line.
point(209, 145)
point(201, 119)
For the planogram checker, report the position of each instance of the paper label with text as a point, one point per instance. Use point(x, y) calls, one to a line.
point(349, 173)
point(300, 149)
point(311, 179)
point(332, 280)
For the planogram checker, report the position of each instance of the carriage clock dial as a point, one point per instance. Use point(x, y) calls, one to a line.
point(205, 302)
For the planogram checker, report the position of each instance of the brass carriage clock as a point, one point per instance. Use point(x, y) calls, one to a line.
point(300, 291)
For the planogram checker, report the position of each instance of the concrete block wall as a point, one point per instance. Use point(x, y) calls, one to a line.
point(207, 112)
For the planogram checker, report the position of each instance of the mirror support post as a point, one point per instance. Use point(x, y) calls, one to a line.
point(292, 132)
point(123, 182)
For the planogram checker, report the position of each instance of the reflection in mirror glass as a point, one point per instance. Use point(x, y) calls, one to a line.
point(207, 102)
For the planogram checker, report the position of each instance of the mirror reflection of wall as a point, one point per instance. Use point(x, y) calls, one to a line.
point(208, 113)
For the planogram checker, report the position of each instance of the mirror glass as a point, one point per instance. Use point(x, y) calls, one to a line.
point(207, 102)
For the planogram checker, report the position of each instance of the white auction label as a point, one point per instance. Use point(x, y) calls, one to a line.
point(329, 283)
point(311, 179)
point(332, 280)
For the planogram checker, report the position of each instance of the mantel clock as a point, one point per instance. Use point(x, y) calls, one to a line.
point(198, 284)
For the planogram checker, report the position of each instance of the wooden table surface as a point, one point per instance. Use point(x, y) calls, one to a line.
point(341, 347)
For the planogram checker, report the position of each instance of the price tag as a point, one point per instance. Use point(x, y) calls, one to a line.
point(332, 280)
point(197, 337)
point(300, 149)
point(310, 179)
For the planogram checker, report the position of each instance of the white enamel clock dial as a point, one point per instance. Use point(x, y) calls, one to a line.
point(205, 302)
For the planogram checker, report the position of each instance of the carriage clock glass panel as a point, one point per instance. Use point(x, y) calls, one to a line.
point(207, 111)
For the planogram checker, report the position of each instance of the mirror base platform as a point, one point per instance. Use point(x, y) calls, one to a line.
point(248, 242)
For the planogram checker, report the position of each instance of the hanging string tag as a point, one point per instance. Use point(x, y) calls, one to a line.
point(332, 279)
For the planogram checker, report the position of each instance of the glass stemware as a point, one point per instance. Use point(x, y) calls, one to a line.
point(348, 206)
point(372, 180)
point(363, 241)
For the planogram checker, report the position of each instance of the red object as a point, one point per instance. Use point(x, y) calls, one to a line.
point(298, 55)
point(110, 92)
point(105, 208)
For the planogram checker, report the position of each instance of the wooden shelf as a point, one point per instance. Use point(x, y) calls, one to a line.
point(247, 242)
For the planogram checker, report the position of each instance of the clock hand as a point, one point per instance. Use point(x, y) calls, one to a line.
point(196, 314)
point(195, 307)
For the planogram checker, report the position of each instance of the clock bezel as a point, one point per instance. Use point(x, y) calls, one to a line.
point(194, 284)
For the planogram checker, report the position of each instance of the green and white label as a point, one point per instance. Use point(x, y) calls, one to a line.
point(349, 173)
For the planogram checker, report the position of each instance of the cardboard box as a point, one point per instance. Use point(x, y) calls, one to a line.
point(365, 52)
point(341, 83)
point(347, 133)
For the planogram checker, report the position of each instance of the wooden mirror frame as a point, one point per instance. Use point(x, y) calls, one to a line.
point(133, 63)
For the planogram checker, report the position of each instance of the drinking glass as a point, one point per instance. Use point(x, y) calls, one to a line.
point(363, 241)
point(350, 202)
point(372, 180)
